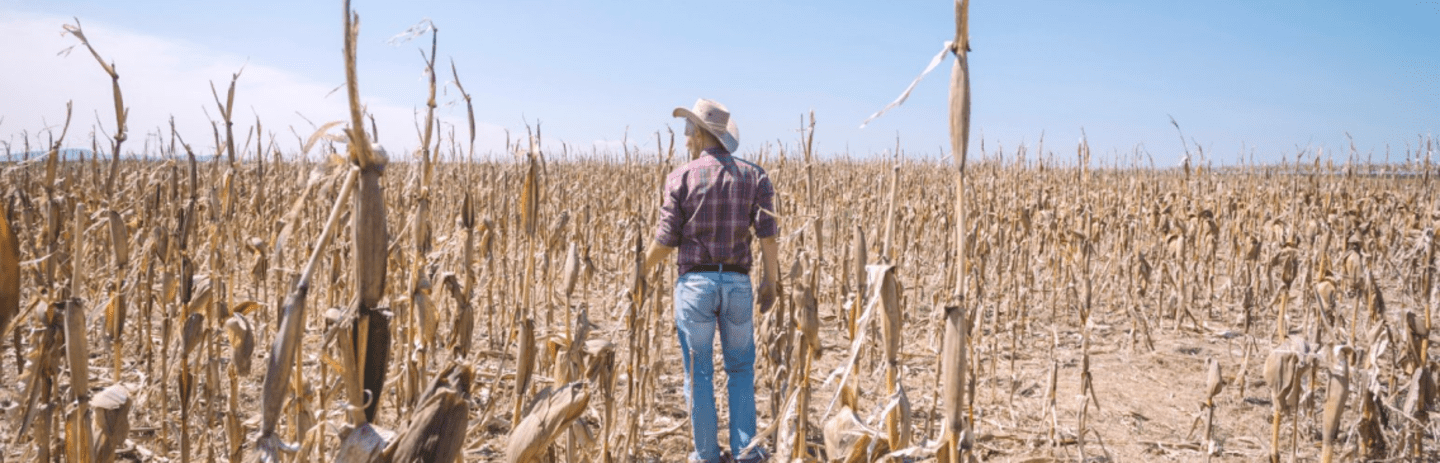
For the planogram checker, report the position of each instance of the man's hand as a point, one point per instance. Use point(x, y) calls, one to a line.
point(769, 287)
point(769, 291)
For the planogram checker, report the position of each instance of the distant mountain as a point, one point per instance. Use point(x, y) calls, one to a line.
point(66, 154)
point(76, 154)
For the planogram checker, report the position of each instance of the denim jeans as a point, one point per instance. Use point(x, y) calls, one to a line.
point(705, 302)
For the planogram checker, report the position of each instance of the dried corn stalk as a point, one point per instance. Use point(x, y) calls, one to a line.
point(463, 334)
point(1418, 396)
point(121, 112)
point(1213, 384)
point(953, 368)
point(369, 235)
point(525, 366)
point(897, 428)
point(78, 442)
point(1283, 375)
point(530, 195)
point(1336, 395)
point(9, 273)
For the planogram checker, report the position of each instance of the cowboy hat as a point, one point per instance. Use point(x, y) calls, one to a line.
point(715, 119)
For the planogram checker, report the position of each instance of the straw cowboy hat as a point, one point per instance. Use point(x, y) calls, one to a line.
point(715, 119)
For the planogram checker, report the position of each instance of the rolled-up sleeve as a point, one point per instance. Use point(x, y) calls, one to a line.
point(667, 232)
point(762, 213)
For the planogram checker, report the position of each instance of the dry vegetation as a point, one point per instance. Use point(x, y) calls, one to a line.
point(1108, 314)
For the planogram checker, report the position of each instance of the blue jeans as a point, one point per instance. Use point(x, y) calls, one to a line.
point(705, 301)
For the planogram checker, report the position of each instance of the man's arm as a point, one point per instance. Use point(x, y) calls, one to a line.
point(653, 255)
point(766, 228)
point(770, 278)
point(770, 258)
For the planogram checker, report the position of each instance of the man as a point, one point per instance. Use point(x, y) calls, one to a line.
point(708, 210)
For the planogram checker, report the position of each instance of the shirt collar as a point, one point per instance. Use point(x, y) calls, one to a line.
point(715, 151)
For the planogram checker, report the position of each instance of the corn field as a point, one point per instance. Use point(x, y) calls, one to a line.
point(343, 303)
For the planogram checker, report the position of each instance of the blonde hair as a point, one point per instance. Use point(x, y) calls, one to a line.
point(700, 140)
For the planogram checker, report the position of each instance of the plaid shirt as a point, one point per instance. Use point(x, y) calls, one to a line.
point(710, 205)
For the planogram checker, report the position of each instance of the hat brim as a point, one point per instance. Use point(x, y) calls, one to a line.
point(727, 137)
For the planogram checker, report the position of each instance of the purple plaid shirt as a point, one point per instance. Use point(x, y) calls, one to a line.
point(710, 205)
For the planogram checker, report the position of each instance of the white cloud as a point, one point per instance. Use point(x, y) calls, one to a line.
point(162, 77)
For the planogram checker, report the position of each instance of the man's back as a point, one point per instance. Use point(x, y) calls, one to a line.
point(710, 205)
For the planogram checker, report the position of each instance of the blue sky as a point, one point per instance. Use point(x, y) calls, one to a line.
point(1258, 79)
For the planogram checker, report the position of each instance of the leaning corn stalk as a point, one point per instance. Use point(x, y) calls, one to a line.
point(551, 412)
point(281, 363)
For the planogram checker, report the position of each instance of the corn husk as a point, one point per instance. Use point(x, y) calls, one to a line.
point(438, 425)
point(550, 413)
point(112, 421)
point(242, 342)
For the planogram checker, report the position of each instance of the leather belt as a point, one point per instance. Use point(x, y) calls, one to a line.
point(732, 268)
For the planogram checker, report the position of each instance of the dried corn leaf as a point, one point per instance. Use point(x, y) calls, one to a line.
point(847, 438)
point(119, 239)
point(571, 271)
point(551, 412)
point(112, 421)
point(363, 444)
point(242, 342)
point(437, 428)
